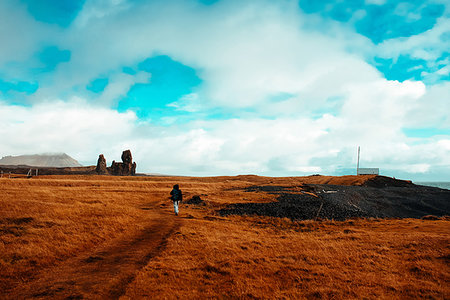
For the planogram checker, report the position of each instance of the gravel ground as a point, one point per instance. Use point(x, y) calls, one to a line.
point(376, 199)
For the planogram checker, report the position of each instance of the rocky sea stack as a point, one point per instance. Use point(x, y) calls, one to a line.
point(101, 165)
point(125, 168)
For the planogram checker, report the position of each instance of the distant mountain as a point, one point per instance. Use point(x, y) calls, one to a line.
point(56, 160)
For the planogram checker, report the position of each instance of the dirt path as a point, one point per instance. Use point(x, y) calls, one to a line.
point(105, 272)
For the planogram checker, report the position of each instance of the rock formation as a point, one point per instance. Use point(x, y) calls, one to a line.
point(125, 168)
point(101, 165)
point(126, 157)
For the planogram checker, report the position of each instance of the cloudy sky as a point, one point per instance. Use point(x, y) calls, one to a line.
point(226, 87)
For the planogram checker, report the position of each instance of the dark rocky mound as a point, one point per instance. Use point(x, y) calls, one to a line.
point(383, 181)
point(196, 200)
point(381, 198)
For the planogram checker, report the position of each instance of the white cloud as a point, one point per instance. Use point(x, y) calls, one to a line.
point(445, 144)
point(244, 51)
point(99, 9)
point(431, 110)
point(20, 37)
point(118, 86)
point(376, 2)
point(429, 45)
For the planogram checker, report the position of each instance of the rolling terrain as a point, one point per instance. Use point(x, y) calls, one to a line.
point(58, 160)
point(106, 237)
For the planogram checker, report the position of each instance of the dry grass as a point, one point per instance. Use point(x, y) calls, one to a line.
point(268, 258)
point(45, 221)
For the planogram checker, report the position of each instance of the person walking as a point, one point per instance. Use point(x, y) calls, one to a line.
point(177, 196)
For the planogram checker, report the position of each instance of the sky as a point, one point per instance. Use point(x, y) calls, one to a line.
point(228, 87)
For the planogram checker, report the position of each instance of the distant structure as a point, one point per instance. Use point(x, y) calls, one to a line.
point(368, 171)
point(30, 173)
point(365, 171)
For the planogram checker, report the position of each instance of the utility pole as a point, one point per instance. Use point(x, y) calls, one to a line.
point(357, 164)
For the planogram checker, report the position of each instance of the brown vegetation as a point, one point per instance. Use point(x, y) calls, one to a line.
point(110, 237)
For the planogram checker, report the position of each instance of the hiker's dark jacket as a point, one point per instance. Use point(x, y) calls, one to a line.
point(176, 195)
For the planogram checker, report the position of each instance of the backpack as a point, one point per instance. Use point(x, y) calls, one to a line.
point(176, 195)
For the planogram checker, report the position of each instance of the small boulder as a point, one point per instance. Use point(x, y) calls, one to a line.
point(196, 200)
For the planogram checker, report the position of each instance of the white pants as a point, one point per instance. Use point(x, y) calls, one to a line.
point(175, 206)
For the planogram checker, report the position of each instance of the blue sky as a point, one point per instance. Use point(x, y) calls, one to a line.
point(229, 87)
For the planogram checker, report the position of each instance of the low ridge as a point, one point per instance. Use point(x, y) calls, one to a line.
point(56, 160)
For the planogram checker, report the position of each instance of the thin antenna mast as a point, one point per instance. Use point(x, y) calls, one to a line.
point(357, 165)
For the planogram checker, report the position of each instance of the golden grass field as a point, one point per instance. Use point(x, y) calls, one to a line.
point(104, 237)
